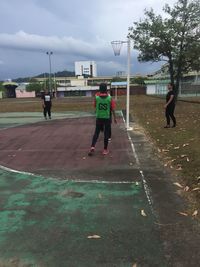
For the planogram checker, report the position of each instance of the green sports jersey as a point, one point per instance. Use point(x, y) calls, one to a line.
point(103, 107)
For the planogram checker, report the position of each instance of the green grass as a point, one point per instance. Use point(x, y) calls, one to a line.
point(178, 147)
point(35, 104)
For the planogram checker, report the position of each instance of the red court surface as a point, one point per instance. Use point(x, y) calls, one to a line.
point(46, 222)
point(59, 148)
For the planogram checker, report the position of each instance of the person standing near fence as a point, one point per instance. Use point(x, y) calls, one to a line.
point(104, 104)
point(170, 106)
point(46, 104)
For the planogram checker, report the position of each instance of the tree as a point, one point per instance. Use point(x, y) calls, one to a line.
point(1, 86)
point(174, 38)
point(118, 79)
point(138, 80)
point(34, 86)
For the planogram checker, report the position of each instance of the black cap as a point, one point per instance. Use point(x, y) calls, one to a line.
point(103, 87)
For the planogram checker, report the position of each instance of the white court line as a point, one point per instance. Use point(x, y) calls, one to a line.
point(103, 182)
point(146, 187)
point(16, 171)
point(66, 179)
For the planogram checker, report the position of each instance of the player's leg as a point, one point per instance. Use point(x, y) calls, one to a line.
point(49, 111)
point(95, 136)
point(106, 135)
point(171, 114)
point(45, 112)
point(110, 131)
point(167, 118)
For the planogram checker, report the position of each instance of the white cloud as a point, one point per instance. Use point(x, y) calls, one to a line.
point(65, 45)
point(73, 30)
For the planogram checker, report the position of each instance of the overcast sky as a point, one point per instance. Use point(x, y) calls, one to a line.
point(73, 30)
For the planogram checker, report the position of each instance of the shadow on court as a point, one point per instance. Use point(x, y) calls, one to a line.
point(61, 208)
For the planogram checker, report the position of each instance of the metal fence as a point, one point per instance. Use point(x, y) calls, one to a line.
point(186, 89)
point(189, 89)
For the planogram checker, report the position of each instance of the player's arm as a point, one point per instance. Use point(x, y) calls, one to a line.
point(94, 103)
point(43, 103)
point(114, 116)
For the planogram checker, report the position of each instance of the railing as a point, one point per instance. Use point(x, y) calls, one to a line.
point(185, 89)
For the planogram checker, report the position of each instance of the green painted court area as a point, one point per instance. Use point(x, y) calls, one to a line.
point(105, 221)
point(13, 119)
point(47, 222)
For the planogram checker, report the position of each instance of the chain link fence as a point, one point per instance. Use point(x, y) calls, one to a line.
point(186, 89)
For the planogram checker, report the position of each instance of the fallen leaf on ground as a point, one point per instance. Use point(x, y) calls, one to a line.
point(179, 168)
point(165, 150)
point(185, 144)
point(176, 147)
point(179, 185)
point(183, 156)
point(183, 213)
point(186, 189)
point(143, 213)
point(196, 189)
point(194, 214)
point(187, 159)
point(169, 162)
point(93, 237)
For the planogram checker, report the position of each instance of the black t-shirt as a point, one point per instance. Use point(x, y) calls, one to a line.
point(168, 97)
point(47, 99)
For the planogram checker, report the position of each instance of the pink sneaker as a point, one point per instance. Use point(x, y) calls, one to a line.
point(105, 152)
point(91, 152)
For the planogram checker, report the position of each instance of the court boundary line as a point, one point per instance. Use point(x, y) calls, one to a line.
point(67, 180)
point(144, 182)
point(146, 187)
point(4, 168)
point(73, 115)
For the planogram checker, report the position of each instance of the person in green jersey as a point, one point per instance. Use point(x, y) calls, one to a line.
point(103, 105)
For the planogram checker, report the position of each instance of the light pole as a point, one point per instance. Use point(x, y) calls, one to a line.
point(117, 48)
point(49, 54)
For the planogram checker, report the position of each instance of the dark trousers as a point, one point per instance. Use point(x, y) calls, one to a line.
point(169, 113)
point(109, 130)
point(106, 125)
point(47, 110)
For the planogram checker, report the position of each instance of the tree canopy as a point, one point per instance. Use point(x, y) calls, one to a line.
point(173, 38)
point(34, 86)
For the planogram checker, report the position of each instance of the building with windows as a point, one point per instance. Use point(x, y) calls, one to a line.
point(86, 68)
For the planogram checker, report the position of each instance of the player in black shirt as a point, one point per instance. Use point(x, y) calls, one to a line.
point(170, 106)
point(46, 103)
